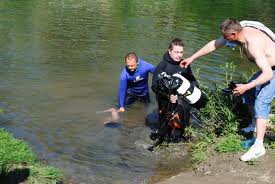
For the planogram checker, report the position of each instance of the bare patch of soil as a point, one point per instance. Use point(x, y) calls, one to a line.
point(228, 169)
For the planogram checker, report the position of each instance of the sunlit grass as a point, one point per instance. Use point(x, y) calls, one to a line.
point(13, 151)
point(47, 174)
point(229, 143)
point(220, 123)
point(17, 159)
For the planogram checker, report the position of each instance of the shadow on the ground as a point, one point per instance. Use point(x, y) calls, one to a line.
point(15, 177)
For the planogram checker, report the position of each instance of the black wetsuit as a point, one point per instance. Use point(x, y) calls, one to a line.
point(171, 67)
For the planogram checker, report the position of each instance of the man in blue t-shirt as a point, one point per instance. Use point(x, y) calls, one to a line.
point(134, 81)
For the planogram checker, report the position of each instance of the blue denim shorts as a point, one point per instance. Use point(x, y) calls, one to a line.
point(261, 97)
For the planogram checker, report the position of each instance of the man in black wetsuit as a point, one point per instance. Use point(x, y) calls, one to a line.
point(171, 65)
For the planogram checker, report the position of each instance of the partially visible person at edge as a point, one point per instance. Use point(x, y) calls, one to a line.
point(134, 81)
point(171, 65)
point(259, 48)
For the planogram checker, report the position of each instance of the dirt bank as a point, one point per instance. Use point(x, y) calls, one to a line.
point(228, 169)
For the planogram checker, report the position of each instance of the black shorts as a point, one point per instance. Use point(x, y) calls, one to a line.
point(131, 98)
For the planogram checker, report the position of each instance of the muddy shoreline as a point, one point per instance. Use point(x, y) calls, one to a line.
point(227, 169)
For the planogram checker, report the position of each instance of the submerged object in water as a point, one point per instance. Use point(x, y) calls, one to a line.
point(112, 124)
point(111, 121)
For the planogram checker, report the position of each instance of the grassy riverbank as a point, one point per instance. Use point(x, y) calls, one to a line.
point(222, 118)
point(217, 146)
point(216, 159)
point(19, 165)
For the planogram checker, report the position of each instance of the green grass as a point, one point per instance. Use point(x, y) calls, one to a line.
point(199, 152)
point(199, 156)
point(220, 123)
point(229, 143)
point(13, 151)
point(18, 163)
point(273, 154)
point(201, 149)
point(47, 174)
point(252, 162)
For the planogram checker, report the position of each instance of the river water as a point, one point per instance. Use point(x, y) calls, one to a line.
point(60, 65)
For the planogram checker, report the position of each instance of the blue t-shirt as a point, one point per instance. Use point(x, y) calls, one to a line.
point(135, 82)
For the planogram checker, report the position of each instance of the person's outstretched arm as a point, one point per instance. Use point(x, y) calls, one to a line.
point(208, 48)
point(122, 91)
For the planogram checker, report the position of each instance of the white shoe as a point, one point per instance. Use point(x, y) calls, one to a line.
point(253, 153)
point(250, 128)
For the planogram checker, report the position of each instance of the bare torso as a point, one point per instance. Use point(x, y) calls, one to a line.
point(259, 40)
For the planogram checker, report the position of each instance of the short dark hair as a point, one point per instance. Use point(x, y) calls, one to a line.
point(131, 55)
point(174, 42)
point(230, 24)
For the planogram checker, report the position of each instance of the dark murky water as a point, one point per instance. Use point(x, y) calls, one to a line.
point(60, 64)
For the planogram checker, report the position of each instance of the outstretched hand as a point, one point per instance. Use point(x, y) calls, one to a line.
point(186, 62)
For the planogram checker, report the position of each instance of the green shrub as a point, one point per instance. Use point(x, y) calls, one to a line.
point(220, 122)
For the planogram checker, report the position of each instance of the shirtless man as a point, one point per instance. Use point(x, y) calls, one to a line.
point(259, 48)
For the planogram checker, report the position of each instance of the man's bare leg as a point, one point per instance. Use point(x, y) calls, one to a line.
point(257, 150)
point(261, 125)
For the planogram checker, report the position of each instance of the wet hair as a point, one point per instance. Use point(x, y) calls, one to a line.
point(175, 42)
point(131, 55)
point(230, 24)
